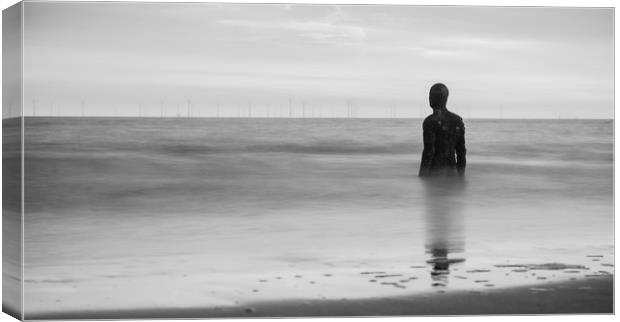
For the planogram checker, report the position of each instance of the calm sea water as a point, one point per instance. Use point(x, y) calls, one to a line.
point(144, 213)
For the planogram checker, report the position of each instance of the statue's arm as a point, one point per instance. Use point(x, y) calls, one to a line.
point(461, 151)
point(429, 150)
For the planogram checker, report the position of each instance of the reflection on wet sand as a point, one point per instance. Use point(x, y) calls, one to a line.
point(444, 224)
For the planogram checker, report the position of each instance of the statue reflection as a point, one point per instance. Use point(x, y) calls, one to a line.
point(444, 225)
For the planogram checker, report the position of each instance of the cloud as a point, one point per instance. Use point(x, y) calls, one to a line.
point(328, 31)
point(321, 31)
point(488, 42)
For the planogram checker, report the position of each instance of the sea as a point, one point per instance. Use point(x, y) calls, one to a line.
point(140, 213)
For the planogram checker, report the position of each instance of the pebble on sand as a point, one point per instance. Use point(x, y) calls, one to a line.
point(545, 266)
point(393, 284)
point(408, 280)
point(250, 310)
point(556, 266)
point(388, 275)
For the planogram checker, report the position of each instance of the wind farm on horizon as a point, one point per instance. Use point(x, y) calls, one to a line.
point(293, 109)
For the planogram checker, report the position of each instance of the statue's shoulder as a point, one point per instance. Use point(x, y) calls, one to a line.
point(430, 122)
point(455, 117)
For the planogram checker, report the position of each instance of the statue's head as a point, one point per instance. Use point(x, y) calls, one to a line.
point(438, 96)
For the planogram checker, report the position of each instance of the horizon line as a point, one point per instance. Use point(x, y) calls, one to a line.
point(301, 118)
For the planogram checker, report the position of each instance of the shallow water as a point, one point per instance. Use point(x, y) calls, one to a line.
point(142, 213)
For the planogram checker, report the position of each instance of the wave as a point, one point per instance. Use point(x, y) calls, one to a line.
point(197, 149)
point(542, 155)
point(331, 147)
point(510, 140)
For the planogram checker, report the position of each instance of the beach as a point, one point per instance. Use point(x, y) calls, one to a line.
point(288, 217)
point(589, 296)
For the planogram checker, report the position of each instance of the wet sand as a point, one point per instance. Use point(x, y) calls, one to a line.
point(585, 296)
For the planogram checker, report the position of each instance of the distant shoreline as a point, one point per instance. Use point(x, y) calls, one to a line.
point(584, 296)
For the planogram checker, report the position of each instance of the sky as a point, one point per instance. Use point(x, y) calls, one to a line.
point(231, 60)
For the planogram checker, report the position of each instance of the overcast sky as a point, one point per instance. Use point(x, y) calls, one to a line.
point(154, 58)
